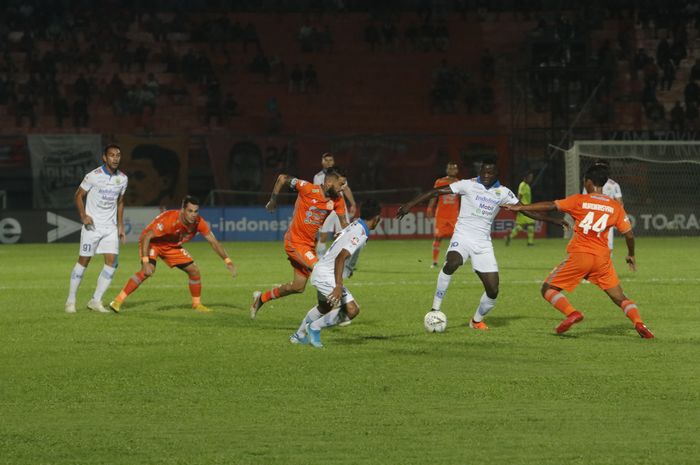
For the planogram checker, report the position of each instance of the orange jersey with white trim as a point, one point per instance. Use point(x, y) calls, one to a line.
point(310, 211)
point(447, 205)
point(594, 215)
point(168, 229)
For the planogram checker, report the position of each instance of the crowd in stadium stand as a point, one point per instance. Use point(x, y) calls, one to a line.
point(162, 53)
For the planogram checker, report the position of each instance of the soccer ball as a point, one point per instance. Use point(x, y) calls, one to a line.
point(435, 321)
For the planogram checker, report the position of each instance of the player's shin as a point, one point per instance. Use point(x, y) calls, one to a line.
point(443, 282)
point(331, 318)
point(103, 282)
point(486, 303)
point(310, 317)
point(559, 301)
point(131, 285)
point(195, 284)
point(76, 276)
point(270, 295)
point(631, 311)
point(436, 250)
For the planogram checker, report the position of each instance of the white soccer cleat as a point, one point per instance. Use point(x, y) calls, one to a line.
point(97, 306)
point(70, 308)
point(255, 306)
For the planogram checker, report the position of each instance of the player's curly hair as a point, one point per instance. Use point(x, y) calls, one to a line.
point(369, 209)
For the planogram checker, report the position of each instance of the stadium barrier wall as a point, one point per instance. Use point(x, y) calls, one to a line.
point(227, 224)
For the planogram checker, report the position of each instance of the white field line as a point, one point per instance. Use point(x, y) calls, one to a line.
point(349, 284)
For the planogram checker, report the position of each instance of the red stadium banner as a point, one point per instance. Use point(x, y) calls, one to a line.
point(416, 224)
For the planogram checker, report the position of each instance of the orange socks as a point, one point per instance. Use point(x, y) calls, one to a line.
point(631, 312)
point(269, 295)
point(131, 285)
point(196, 289)
point(559, 301)
point(436, 251)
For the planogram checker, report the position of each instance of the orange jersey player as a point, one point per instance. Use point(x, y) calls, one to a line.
point(446, 212)
point(588, 254)
point(313, 205)
point(163, 238)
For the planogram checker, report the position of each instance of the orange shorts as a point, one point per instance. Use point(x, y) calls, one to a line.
point(599, 270)
point(171, 255)
point(444, 227)
point(301, 256)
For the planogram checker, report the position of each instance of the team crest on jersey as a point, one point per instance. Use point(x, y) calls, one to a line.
point(310, 255)
point(498, 192)
point(118, 181)
point(159, 226)
point(355, 240)
point(315, 191)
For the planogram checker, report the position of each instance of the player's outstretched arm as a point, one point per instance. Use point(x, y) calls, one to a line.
point(79, 199)
point(629, 239)
point(538, 216)
point(405, 208)
point(221, 252)
point(547, 206)
point(351, 201)
point(282, 180)
point(337, 292)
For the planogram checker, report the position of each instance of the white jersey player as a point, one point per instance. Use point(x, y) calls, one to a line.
point(100, 203)
point(335, 302)
point(481, 199)
point(611, 189)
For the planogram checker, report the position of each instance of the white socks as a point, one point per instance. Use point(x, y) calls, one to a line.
point(443, 282)
point(103, 282)
point(310, 317)
point(76, 276)
point(485, 305)
point(331, 318)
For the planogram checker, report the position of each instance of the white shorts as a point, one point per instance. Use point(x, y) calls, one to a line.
point(102, 240)
point(332, 224)
point(480, 252)
point(325, 286)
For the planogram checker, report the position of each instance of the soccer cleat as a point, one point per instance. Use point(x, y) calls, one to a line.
point(346, 322)
point(115, 306)
point(480, 325)
point(643, 331)
point(295, 339)
point(255, 306)
point(70, 308)
point(433, 266)
point(201, 308)
point(570, 320)
point(97, 306)
point(314, 336)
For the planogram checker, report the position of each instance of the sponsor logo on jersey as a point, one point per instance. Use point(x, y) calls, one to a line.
point(329, 205)
point(310, 255)
point(159, 226)
point(355, 240)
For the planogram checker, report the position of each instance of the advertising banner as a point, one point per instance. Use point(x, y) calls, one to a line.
point(156, 167)
point(59, 164)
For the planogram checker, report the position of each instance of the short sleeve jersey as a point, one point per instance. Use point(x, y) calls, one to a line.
point(525, 193)
point(611, 189)
point(169, 230)
point(594, 215)
point(103, 192)
point(351, 238)
point(447, 205)
point(310, 211)
point(479, 206)
point(319, 178)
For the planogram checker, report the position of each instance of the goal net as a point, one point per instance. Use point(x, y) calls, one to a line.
point(660, 181)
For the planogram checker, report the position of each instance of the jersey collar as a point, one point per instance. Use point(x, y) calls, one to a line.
point(364, 226)
point(106, 171)
point(495, 184)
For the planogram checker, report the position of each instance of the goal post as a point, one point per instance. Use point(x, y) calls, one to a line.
point(660, 181)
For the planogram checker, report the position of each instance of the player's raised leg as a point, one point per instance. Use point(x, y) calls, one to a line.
point(629, 308)
point(296, 286)
point(558, 300)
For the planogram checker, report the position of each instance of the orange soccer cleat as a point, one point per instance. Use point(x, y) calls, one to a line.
point(573, 318)
point(643, 331)
point(480, 325)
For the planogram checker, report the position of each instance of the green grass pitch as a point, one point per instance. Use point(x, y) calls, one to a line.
point(161, 384)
